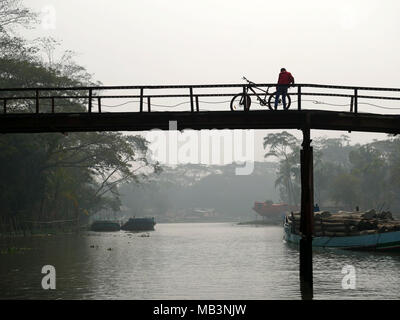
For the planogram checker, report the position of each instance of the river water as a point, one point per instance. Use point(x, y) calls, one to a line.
point(187, 261)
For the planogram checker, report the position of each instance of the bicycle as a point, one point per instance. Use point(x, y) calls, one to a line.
point(238, 101)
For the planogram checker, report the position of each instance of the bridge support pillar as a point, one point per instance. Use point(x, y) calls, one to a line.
point(307, 216)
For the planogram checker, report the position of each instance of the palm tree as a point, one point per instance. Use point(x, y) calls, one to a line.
point(285, 147)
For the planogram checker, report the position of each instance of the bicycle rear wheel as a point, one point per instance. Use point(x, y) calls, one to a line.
point(237, 102)
point(271, 102)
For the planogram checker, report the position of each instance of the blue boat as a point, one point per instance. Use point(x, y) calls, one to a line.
point(385, 241)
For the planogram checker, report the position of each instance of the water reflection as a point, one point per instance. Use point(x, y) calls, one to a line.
point(188, 261)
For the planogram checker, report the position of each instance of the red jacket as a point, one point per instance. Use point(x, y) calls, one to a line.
point(285, 78)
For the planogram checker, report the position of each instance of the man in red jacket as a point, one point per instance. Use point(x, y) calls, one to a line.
point(285, 80)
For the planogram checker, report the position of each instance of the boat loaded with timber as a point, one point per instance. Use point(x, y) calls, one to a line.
point(348, 230)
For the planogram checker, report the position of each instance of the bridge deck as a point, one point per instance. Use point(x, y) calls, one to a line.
point(135, 121)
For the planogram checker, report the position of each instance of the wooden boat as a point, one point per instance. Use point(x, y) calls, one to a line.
point(272, 211)
point(105, 225)
point(139, 224)
point(365, 240)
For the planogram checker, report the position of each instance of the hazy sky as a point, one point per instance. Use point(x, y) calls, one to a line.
point(125, 42)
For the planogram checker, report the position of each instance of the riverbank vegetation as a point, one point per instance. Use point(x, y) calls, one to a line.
point(178, 192)
point(345, 177)
point(56, 177)
point(348, 176)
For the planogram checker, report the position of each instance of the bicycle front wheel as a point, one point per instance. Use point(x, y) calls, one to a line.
point(238, 102)
point(271, 102)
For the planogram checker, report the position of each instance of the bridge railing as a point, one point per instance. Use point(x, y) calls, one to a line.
point(33, 98)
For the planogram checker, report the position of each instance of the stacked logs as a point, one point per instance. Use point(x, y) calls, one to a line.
point(345, 223)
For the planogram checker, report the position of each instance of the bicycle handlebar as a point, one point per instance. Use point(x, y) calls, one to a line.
point(250, 82)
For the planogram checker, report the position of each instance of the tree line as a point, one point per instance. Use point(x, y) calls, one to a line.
point(56, 176)
point(180, 189)
point(367, 176)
